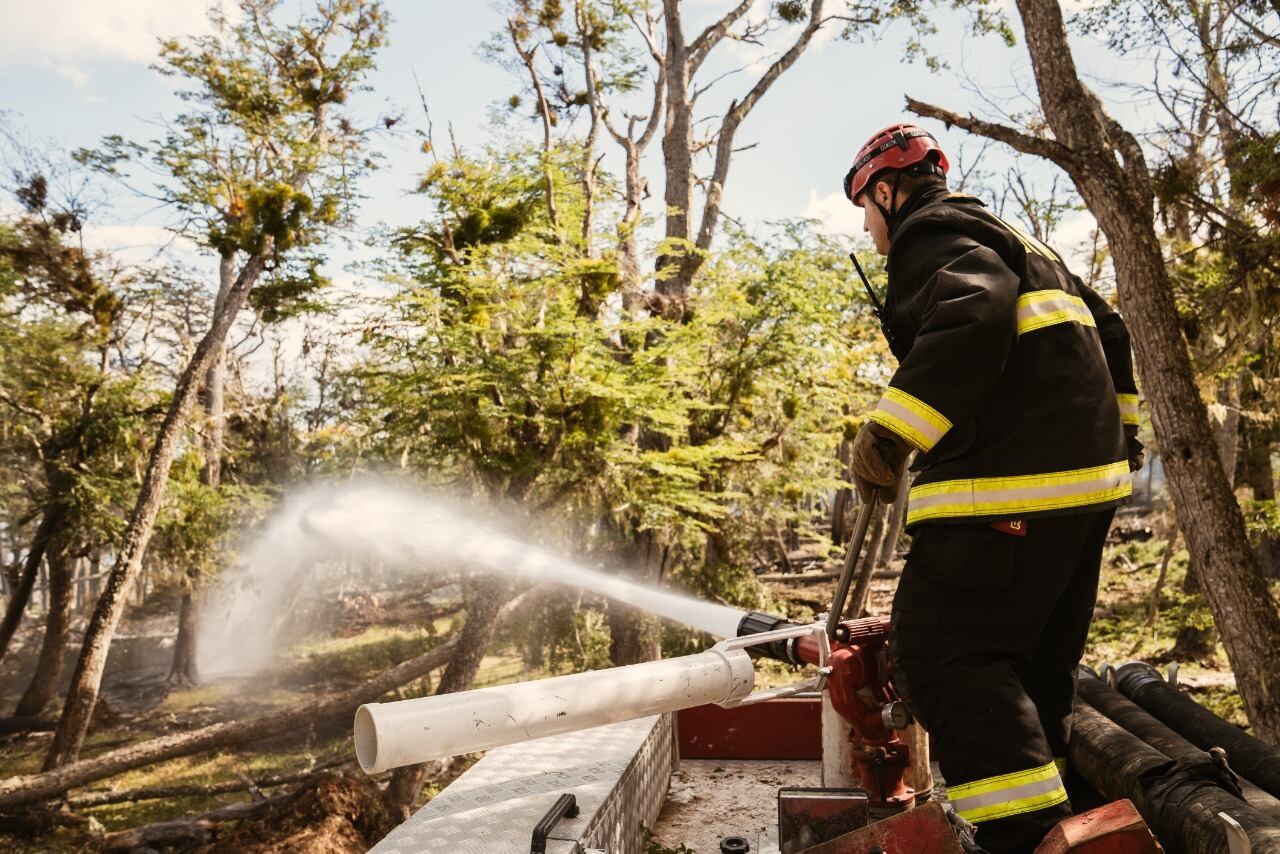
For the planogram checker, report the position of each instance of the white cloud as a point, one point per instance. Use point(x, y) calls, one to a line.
point(834, 213)
point(68, 34)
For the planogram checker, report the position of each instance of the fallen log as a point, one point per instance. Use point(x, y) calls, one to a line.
point(28, 788)
point(197, 829)
point(151, 793)
point(34, 723)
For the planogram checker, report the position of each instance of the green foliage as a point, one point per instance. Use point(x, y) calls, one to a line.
point(1216, 179)
point(1261, 519)
point(290, 290)
point(72, 427)
point(563, 636)
point(196, 520)
point(507, 363)
point(652, 846)
point(791, 11)
point(264, 160)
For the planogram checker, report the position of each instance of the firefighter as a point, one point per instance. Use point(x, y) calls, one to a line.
point(1015, 391)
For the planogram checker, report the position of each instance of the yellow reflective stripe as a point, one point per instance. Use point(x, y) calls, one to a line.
point(1009, 794)
point(987, 496)
point(1039, 309)
point(1061, 764)
point(914, 420)
point(1128, 408)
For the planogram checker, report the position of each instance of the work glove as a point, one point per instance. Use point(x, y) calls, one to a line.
point(879, 455)
point(1136, 457)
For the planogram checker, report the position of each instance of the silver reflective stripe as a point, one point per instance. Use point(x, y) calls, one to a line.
point(918, 425)
point(1039, 309)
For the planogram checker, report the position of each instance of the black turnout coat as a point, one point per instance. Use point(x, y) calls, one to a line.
point(1015, 379)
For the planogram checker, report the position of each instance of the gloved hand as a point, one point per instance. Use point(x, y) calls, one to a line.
point(879, 455)
point(1136, 457)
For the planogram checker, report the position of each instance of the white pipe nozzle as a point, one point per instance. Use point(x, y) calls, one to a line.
point(390, 735)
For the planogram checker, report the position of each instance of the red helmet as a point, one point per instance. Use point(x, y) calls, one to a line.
point(896, 147)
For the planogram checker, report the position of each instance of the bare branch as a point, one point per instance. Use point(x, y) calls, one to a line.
point(544, 110)
point(712, 35)
point(36, 414)
point(737, 112)
point(646, 33)
point(1014, 138)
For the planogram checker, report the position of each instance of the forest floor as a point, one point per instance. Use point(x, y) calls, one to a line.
point(375, 633)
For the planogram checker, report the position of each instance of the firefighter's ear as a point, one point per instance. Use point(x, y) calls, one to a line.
point(883, 194)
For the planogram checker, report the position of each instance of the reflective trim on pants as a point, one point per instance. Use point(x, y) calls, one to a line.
point(991, 496)
point(1128, 408)
point(1039, 309)
point(1009, 794)
point(912, 419)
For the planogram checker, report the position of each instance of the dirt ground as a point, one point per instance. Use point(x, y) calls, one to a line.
point(713, 798)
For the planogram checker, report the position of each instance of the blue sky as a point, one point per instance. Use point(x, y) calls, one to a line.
point(74, 70)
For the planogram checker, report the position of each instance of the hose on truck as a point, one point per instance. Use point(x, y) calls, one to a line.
point(1134, 719)
point(1179, 800)
point(1256, 760)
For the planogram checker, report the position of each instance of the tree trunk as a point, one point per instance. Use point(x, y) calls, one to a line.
point(95, 576)
point(844, 495)
point(185, 671)
point(49, 524)
point(677, 151)
point(482, 619)
point(1257, 472)
point(1210, 519)
point(85, 684)
point(57, 632)
point(35, 787)
point(1226, 426)
point(635, 635)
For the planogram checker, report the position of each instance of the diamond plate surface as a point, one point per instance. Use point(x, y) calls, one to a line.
point(617, 772)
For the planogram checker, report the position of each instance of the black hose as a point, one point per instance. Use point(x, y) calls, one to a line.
point(1181, 808)
point(1132, 718)
point(1255, 760)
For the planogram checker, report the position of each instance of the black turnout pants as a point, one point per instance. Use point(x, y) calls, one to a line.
point(987, 630)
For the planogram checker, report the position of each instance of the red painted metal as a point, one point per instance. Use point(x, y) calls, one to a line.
point(923, 830)
point(790, 728)
point(1115, 828)
point(808, 816)
point(860, 687)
